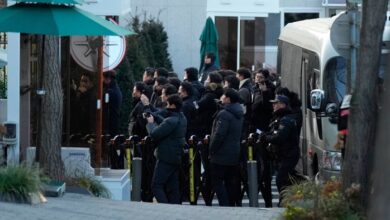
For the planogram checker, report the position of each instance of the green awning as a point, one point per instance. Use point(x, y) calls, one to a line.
point(57, 20)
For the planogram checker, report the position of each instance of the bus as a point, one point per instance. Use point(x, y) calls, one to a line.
point(309, 63)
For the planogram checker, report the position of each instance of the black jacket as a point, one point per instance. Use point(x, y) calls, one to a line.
point(111, 110)
point(206, 109)
point(262, 107)
point(226, 135)
point(208, 68)
point(137, 124)
point(189, 111)
point(283, 133)
point(169, 137)
point(198, 89)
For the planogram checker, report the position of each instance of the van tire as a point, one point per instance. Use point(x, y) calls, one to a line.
point(314, 166)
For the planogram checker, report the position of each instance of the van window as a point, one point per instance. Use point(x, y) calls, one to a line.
point(335, 79)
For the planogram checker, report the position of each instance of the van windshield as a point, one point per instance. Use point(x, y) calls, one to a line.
point(335, 79)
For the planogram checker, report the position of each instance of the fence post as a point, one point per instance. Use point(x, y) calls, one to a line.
point(252, 183)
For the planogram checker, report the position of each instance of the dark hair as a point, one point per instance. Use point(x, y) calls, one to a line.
point(192, 73)
point(169, 89)
point(175, 100)
point(149, 71)
point(245, 72)
point(188, 88)
point(234, 83)
point(172, 74)
point(232, 94)
point(265, 73)
point(110, 74)
point(162, 72)
point(161, 80)
point(174, 81)
point(282, 91)
point(215, 77)
point(140, 86)
point(211, 55)
point(226, 73)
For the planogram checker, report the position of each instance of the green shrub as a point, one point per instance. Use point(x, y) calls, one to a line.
point(17, 182)
point(309, 201)
point(93, 185)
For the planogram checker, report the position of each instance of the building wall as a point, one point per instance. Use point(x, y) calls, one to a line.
point(183, 21)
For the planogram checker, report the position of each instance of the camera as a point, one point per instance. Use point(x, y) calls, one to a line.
point(146, 115)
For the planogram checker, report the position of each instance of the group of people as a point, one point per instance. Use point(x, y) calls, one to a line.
point(228, 105)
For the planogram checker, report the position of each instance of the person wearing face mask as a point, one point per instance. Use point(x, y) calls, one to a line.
point(170, 138)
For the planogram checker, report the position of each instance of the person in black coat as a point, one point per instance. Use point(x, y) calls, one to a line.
point(137, 124)
point(148, 79)
point(207, 105)
point(209, 66)
point(283, 142)
point(263, 92)
point(111, 110)
point(189, 110)
point(170, 139)
point(224, 148)
point(191, 76)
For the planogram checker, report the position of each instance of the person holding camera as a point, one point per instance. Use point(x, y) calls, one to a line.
point(282, 143)
point(170, 138)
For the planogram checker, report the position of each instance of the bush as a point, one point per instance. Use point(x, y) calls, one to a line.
point(311, 201)
point(18, 182)
point(92, 184)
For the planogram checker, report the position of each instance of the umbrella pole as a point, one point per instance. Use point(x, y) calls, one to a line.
point(99, 113)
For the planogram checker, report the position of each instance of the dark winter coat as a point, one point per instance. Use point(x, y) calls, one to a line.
point(225, 139)
point(189, 111)
point(169, 137)
point(262, 107)
point(208, 68)
point(137, 124)
point(207, 107)
point(283, 133)
point(111, 110)
point(149, 88)
point(198, 89)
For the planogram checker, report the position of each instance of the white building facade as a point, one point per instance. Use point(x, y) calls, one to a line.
point(248, 29)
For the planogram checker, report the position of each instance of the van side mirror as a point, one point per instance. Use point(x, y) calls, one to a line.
point(317, 99)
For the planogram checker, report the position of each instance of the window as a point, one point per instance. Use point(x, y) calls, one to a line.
point(293, 17)
point(335, 81)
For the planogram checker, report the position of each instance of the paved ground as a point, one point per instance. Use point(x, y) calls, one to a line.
point(76, 206)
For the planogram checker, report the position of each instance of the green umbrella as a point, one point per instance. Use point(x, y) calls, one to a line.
point(209, 39)
point(55, 19)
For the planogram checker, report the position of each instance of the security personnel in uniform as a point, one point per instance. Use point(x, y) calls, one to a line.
point(283, 143)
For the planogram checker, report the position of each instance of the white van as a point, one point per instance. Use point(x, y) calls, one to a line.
point(307, 61)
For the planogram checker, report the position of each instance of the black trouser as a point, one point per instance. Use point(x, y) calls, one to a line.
point(225, 183)
point(286, 169)
point(165, 184)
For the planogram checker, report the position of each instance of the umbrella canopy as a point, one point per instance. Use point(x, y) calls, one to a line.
point(209, 42)
point(55, 19)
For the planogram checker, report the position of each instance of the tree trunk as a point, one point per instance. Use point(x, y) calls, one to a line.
point(51, 112)
point(363, 116)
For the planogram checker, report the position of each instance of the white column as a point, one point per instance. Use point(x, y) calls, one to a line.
point(13, 93)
